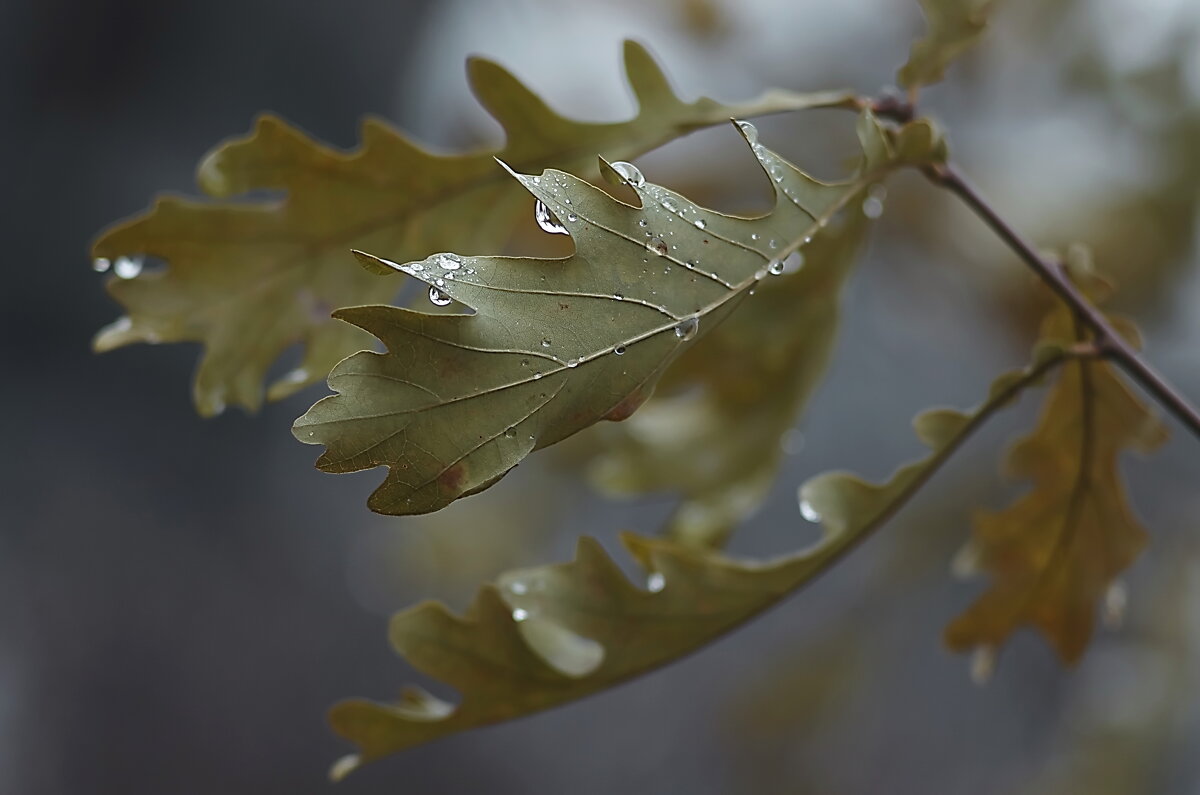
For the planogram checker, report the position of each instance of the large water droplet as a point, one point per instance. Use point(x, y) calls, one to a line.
point(776, 267)
point(872, 207)
point(546, 220)
point(619, 350)
point(809, 512)
point(700, 223)
point(128, 267)
point(438, 298)
point(656, 582)
point(630, 173)
point(658, 246)
point(687, 329)
point(748, 130)
point(520, 614)
point(450, 262)
point(101, 264)
point(983, 664)
point(572, 362)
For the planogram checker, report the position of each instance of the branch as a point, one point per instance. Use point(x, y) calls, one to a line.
point(1108, 340)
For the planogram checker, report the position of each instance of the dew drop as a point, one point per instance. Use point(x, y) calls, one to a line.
point(700, 223)
point(630, 173)
point(101, 264)
point(809, 512)
point(657, 245)
point(773, 243)
point(642, 222)
point(749, 131)
point(520, 614)
point(128, 267)
point(656, 582)
point(776, 267)
point(872, 207)
point(572, 362)
point(687, 329)
point(983, 664)
point(690, 264)
point(546, 342)
point(546, 220)
point(572, 217)
point(439, 282)
point(1116, 599)
point(510, 433)
point(438, 298)
point(450, 262)
point(619, 350)
point(669, 205)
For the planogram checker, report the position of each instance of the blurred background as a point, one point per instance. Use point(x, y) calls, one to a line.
point(181, 600)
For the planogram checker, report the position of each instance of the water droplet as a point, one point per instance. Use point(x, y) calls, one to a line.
point(772, 243)
point(754, 236)
point(791, 441)
point(438, 298)
point(657, 245)
point(546, 220)
point(101, 264)
point(669, 205)
point(619, 350)
point(572, 362)
point(128, 267)
point(656, 582)
point(809, 512)
point(776, 267)
point(546, 342)
point(872, 207)
point(700, 223)
point(510, 433)
point(642, 222)
point(983, 664)
point(793, 262)
point(572, 217)
point(439, 282)
point(690, 264)
point(630, 173)
point(450, 262)
point(1116, 599)
point(687, 329)
point(965, 563)
point(416, 266)
point(749, 131)
point(520, 614)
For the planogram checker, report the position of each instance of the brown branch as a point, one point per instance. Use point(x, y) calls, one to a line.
point(1107, 339)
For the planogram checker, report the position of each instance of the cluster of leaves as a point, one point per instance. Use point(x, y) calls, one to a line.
point(519, 353)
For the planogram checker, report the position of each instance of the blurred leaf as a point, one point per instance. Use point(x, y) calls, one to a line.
point(557, 345)
point(715, 436)
point(1054, 552)
point(954, 26)
point(552, 634)
point(249, 279)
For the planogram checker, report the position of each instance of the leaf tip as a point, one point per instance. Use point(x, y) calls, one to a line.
point(374, 264)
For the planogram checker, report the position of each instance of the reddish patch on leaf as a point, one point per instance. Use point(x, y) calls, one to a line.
point(624, 410)
point(452, 479)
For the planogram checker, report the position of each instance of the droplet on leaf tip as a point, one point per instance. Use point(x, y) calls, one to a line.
point(438, 298)
point(983, 664)
point(1116, 600)
point(546, 219)
point(101, 264)
point(128, 267)
point(809, 512)
point(629, 173)
point(749, 131)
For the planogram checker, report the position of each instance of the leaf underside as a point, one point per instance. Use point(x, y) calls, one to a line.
point(1054, 552)
point(548, 635)
point(555, 345)
point(248, 279)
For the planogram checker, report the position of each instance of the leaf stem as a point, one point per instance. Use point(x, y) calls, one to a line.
point(1110, 343)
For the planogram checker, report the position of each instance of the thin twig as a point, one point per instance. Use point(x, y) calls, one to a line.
point(1108, 340)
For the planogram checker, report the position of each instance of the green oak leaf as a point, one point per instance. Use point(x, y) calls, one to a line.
point(250, 279)
point(954, 26)
point(713, 430)
point(1054, 552)
point(555, 345)
point(548, 635)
